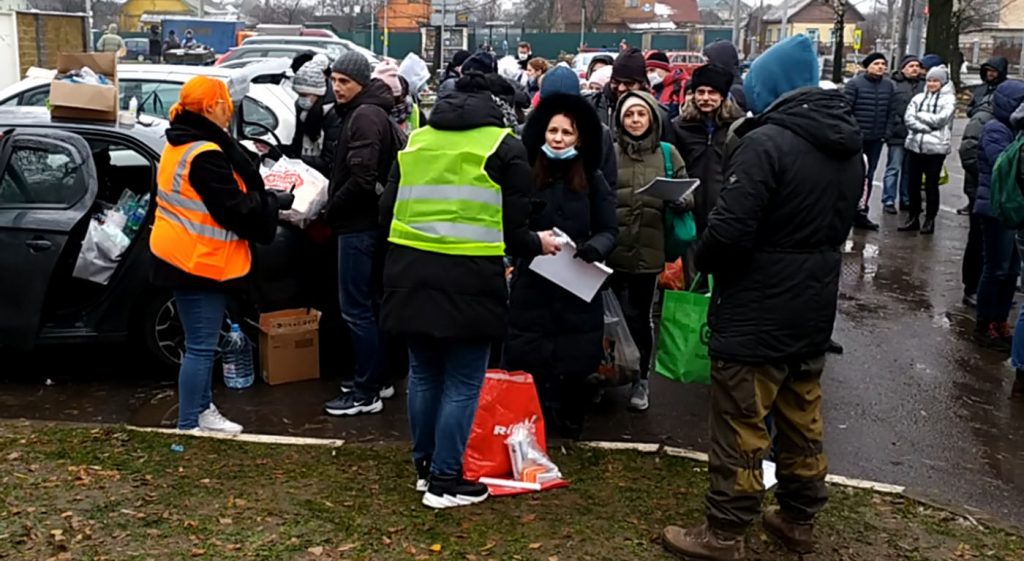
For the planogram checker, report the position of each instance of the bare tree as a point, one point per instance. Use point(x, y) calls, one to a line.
point(289, 12)
point(839, 8)
point(596, 10)
point(540, 15)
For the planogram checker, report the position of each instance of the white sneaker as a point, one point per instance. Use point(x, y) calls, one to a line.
point(212, 421)
point(387, 392)
point(640, 398)
point(422, 485)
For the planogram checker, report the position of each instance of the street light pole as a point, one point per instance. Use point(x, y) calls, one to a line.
point(583, 22)
point(88, 26)
point(386, 28)
point(784, 30)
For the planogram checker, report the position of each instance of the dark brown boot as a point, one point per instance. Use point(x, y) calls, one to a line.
point(796, 536)
point(703, 543)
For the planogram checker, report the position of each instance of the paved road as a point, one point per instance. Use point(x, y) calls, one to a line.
point(912, 401)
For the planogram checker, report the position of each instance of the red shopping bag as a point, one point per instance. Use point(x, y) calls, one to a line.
point(507, 399)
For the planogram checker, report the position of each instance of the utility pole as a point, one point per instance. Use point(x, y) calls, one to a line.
point(899, 38)
point(373, 25)
point(916, 28)
point(784, 29)
point(736, 25)
point(583, 22)
point(202, 9)
point(386, 28)
point(88, 26)
point(440, 40)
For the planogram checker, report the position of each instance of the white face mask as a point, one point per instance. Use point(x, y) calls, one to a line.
point(305, 103)
point(654, 78)
point(524, 56)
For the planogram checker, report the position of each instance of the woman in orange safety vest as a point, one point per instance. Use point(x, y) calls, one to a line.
point(211, 204)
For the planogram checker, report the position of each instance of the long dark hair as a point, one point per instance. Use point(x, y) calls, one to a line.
point(572, 172)
point(576, 172)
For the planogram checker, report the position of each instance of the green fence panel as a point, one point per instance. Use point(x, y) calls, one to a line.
point(670, 42)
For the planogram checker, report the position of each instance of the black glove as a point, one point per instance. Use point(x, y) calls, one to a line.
point(284, 199)
point(588, 253)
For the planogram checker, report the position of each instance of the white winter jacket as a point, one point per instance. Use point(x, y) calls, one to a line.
point(929, 120)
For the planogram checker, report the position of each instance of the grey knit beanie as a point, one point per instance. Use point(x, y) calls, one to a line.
point(940, 73)
point(310, 79)
point(353, 65)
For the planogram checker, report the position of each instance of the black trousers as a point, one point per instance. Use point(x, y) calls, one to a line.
point(930, 167)
point(636, 296)
point(974, 257)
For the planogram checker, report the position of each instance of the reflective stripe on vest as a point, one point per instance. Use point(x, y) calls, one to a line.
point(184, 233)
point(446, 202)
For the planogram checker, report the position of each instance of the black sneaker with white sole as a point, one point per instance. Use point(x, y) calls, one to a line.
point(351, 404)
point(422, 474)
point(386, 392)
point(449, 492)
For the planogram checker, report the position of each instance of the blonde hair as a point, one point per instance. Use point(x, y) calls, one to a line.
point(200, 95)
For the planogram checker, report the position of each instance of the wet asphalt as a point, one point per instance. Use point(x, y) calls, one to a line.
point(911, 402)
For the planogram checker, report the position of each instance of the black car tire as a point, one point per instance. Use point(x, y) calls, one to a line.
point(152, 329)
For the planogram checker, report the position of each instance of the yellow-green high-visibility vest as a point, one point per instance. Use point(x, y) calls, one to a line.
point(414, 118)
point(446, 202)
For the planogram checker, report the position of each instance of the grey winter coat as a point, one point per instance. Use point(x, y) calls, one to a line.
point(929, 121)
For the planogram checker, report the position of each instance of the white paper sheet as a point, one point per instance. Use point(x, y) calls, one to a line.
point(575, 275)
point(769, 474)
point(669, 189)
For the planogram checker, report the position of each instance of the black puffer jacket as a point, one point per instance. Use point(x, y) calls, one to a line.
point(551, 331)
point(871, 99)
point(702, 146)
point(981, 96)
point(773, 241)
point(251, 215)
point(904, 90)
point(362, 159)
point(449, 296)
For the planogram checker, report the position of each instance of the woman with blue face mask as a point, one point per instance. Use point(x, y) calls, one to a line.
point(553, 334)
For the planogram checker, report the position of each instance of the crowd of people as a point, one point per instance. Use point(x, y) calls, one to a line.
point(428, 213)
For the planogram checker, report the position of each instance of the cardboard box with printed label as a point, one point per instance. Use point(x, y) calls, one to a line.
point(290, 346)
point(87, 102)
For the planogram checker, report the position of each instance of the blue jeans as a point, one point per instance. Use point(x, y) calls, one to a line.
point(359, 298)
point(999, 273)
point(202, 315)
point(895, 175)
point(1017, 351)
point(873, 150)
point(445, 377)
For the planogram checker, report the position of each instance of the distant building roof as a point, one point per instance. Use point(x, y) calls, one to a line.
point(682, 11)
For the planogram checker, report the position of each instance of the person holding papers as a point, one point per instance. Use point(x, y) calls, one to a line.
point(640, 254)
point(554, 334)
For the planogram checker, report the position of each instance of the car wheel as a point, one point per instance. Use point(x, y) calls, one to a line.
point(163, 334)
point(142, 58)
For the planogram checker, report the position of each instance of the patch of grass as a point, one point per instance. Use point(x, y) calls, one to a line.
point(71, 493)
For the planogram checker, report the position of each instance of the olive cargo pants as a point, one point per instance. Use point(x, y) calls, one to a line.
point(742, 395)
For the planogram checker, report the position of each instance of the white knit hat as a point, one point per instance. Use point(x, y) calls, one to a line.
point(632, 101)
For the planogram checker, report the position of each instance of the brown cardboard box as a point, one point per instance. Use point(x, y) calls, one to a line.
point(290, 346)
point(88, 102)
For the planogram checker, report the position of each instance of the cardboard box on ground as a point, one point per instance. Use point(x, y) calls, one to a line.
point(290, 346)
point(89, 102)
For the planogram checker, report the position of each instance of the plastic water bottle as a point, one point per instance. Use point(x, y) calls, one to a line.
point(237, 359)
point(137, 217)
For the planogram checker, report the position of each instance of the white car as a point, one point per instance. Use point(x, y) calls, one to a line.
point(334, 46)
point(267, 100)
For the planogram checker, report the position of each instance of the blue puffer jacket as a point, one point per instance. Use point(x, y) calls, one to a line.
point(995, 137)
point(871, 99)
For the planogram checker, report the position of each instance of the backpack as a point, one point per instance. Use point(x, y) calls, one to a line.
point(1006, 197)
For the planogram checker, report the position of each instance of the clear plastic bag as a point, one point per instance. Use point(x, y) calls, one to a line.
point(621, 363)
point(529, 461)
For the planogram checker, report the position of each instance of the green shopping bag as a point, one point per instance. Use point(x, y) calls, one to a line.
point(683, 337)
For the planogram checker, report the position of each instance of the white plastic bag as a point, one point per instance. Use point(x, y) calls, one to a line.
point(621, 363)
point(310, 189)
point(102, 249)
point(525, 453)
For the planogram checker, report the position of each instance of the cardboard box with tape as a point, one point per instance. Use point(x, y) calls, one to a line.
point(87, 102)
point(290, 346)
